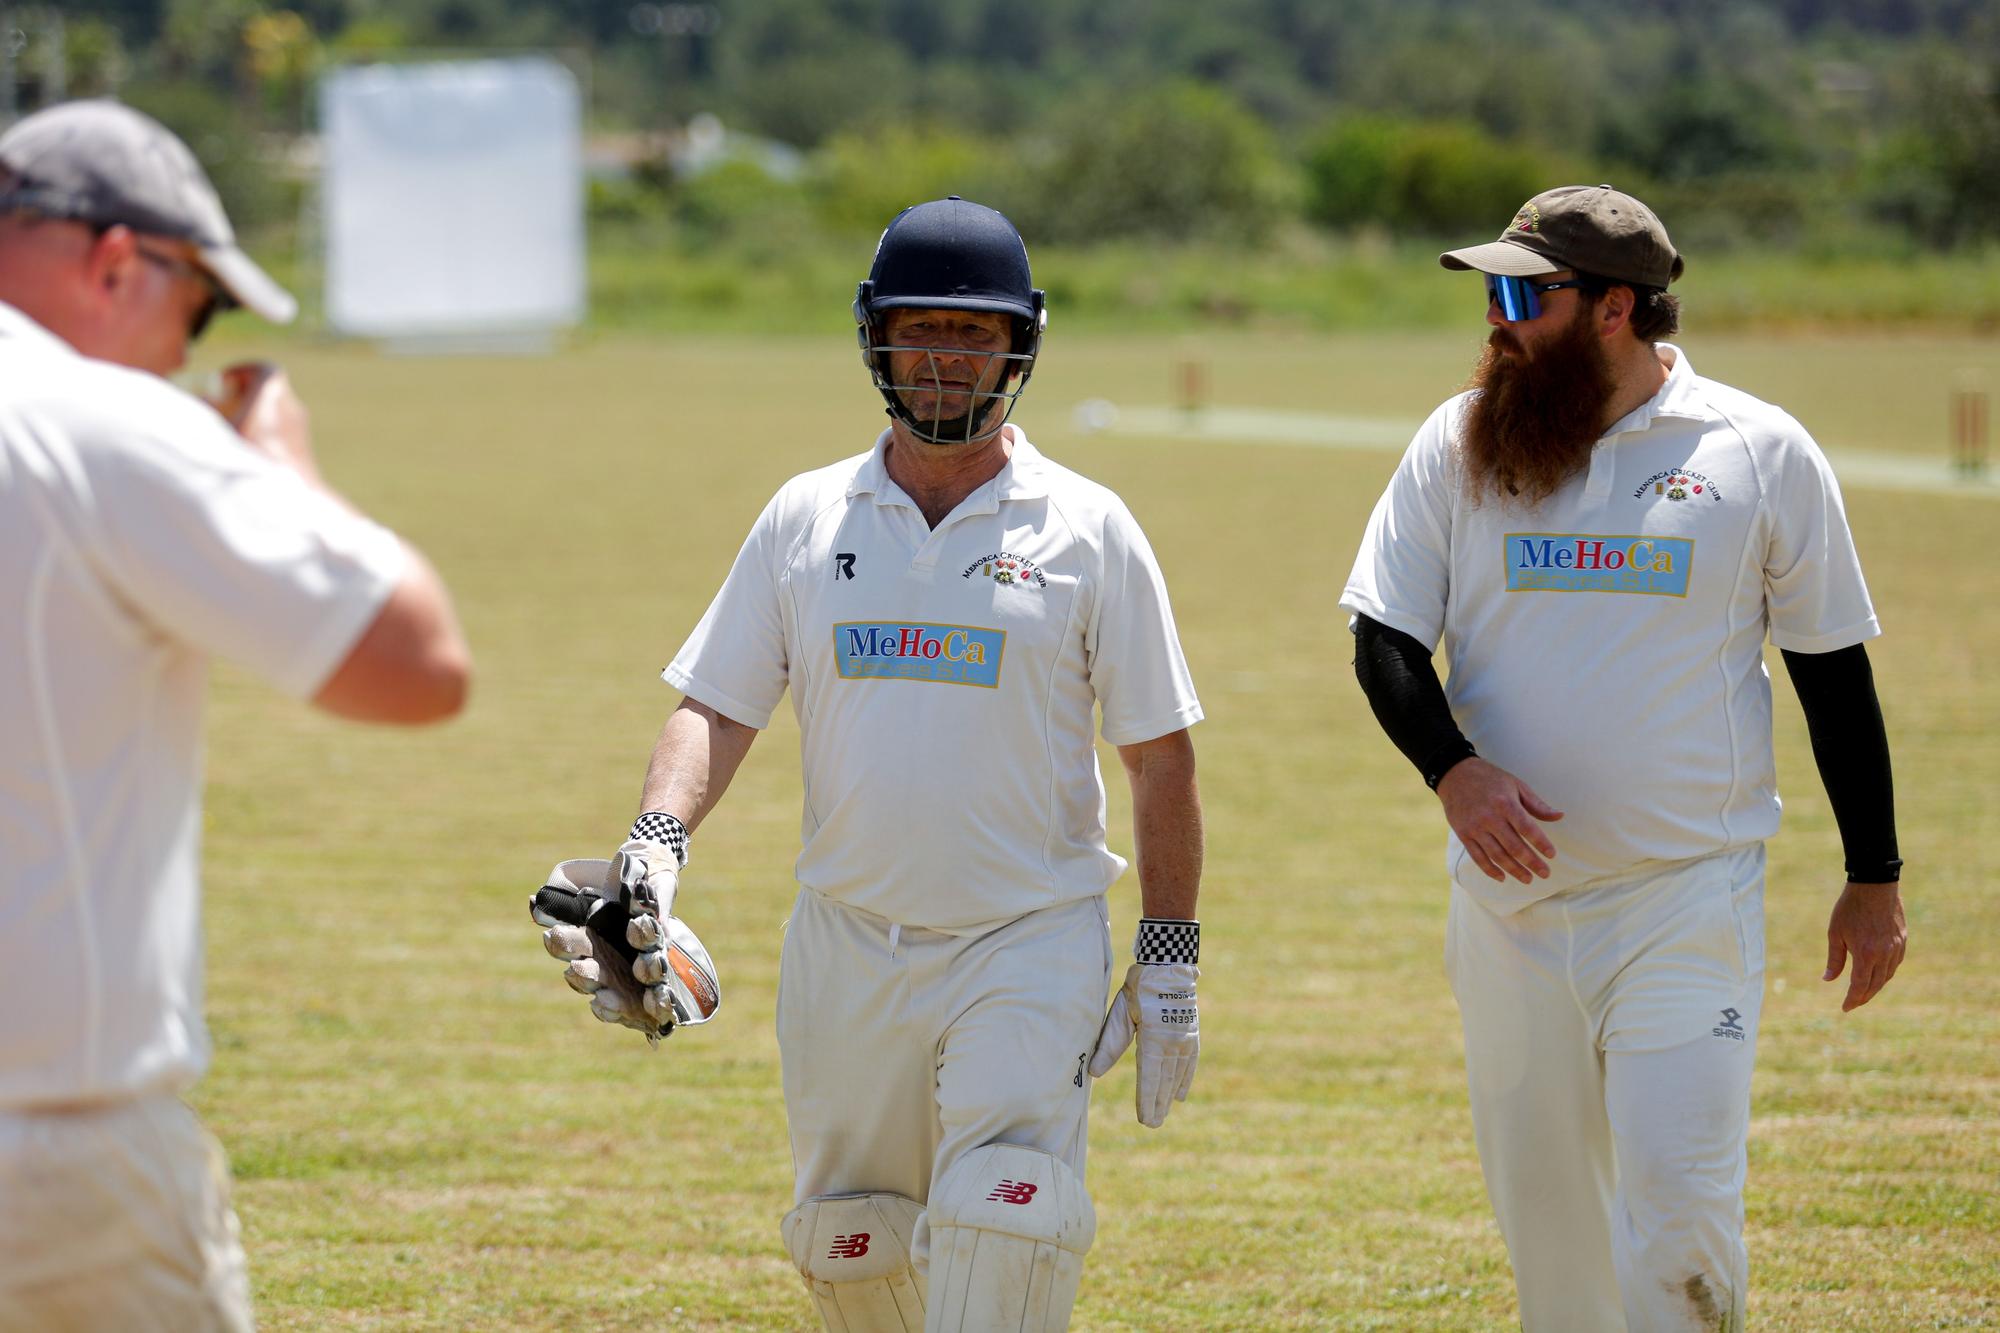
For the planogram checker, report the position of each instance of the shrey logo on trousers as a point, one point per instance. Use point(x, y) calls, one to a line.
point(905, 650)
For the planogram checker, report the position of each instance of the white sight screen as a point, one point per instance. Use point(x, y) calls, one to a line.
point(453, 198)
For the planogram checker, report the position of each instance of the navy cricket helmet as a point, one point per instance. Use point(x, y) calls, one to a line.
point(951, 254)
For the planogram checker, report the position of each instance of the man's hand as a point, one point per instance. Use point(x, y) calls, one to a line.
point(1867, 923)
point(257, 398)
point(1157, 1006)
point(1494, 814)
point(649, 871)
point(611, 937)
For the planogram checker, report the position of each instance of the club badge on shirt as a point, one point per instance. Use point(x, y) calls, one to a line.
point(1006, 567)
point(1593, 562)
point(1679, 484)
point(905, 650)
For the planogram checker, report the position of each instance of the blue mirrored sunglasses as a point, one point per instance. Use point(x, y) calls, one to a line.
point(1520, 298)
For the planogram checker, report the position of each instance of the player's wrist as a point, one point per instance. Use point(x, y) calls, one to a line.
point(1167, 940)
point(1889, 871)
point(1437, 764)
point(667, 830)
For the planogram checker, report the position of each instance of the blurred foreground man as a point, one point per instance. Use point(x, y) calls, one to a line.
point(141, 532)
point(946, 609)
point(1601, 538)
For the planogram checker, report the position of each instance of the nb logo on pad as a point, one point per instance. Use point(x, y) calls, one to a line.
point(1012, 1191)
point(849, 1247)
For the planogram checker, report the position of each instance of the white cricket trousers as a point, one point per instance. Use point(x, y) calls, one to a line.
point(904, 1048)
point(1609, 1035)
point(116, 1219)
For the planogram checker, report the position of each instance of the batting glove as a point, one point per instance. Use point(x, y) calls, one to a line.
point(649, 865)
point(1156, 1007)
point(604, 919)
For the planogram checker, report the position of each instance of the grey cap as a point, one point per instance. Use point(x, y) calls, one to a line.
point(102, 162)
point(1592, 228)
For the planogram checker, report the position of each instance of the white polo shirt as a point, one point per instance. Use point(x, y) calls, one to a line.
point(138, 535)
point(1607, 646)
point(944, 679)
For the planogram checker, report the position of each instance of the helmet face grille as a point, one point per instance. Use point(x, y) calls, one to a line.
point(976, 413)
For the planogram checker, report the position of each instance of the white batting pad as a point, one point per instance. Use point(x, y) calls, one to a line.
point(854, 1252)
point(1009, 1229)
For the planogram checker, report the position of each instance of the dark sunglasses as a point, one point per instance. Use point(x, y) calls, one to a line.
point(1520, 298)
point(197, 323)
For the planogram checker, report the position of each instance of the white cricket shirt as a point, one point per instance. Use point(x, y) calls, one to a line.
point(138, 535)
point(1607, 647)
point(944, 680)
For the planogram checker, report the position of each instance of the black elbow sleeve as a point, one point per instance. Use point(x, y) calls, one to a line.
point(1408, 699)
point(1851, 747)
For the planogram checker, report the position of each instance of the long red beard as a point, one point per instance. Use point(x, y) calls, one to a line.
point(1532, 420)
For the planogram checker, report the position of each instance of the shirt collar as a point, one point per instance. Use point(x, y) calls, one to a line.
point(1678, 397)
point(17, 324)
point(1024, 476)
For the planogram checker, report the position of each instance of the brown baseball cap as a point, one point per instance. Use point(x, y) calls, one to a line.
point(1590, 228)
point(101, 162)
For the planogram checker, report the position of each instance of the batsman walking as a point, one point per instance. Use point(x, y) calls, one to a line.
point(1601, 539)
point(946, 609)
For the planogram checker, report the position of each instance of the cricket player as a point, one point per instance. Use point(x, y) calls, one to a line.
point(1602, 538)
point(947, 608)
point(142, 531)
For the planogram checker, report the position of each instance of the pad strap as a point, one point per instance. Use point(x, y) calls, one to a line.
point(1165, 940)
point(659, 826)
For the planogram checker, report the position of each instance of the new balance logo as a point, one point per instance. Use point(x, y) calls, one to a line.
point(849, 1247)
point(1730, 1027)
point(1012, 1191)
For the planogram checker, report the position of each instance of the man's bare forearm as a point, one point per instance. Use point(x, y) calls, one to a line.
point(694, 759)
point(1166, 824)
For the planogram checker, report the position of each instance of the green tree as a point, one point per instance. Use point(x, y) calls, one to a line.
point(862, 179)
point(1173, 163)
point(96, 58)
point(1433, 178)
point(1939, 174)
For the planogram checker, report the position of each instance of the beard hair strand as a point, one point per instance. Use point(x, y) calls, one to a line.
point(1532, 421)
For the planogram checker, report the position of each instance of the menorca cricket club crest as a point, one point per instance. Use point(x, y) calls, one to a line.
point(1678, 484)
point(1006, 567)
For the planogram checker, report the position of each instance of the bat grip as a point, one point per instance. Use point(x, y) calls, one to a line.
point(564, 905)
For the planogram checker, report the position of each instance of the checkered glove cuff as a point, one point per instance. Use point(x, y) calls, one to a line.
point(1164, 941)
point(658, 826)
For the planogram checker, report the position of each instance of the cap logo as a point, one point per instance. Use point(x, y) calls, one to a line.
point(1528, 220)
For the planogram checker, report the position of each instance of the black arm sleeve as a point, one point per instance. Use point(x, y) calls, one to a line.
point(1403, 688)
point(1851, 747)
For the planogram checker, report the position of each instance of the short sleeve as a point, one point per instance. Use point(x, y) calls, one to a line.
point(219, 547)
point(1402, 574)
point(1132, 650)
point(735, 661)
point(1813, 588)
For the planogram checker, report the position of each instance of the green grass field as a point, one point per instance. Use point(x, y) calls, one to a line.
point(430, 1132)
